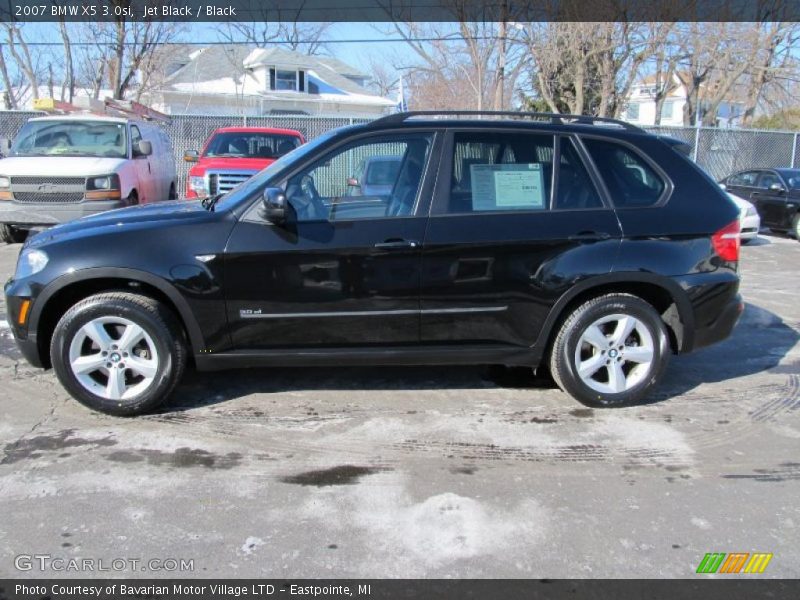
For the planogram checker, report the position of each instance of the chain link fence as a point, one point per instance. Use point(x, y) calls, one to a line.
point(719, 151)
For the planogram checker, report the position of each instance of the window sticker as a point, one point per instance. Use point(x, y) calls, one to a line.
point(507, 187)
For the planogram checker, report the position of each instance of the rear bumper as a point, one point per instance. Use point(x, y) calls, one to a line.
point(31, 214)
point(714, 304)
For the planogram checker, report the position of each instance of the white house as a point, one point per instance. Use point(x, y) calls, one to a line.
point(641, 105)
point(243, 81)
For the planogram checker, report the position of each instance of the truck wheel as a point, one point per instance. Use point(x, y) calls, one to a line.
point(173, 195)
point(119, 353)
point(611, 351)
point(133, 198)
point(12, 235)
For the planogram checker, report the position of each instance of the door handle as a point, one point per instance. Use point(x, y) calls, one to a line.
point(589, 236)
point(397, 244)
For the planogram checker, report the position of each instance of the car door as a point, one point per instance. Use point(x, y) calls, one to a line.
point(770, 199)
point(144, 174)
point(508, 235)
point(333, 277)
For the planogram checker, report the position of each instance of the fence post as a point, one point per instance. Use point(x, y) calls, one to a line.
point(794, 150)
point(696, 143)
point(244, 119)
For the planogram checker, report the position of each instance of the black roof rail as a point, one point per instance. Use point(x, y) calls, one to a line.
point(555, 118)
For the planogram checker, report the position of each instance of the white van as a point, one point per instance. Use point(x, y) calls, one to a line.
point(67, 166)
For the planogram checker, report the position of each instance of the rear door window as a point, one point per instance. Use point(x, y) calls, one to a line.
point(630, 179)
point(497, 172)
point(574, 188)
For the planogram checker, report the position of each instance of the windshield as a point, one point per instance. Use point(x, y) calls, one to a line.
point(71, 138)
point(258, 182)
point(792, 177)
point(251, 145)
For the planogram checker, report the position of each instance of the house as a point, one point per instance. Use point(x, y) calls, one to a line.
point(244, 81)
point(641, 104)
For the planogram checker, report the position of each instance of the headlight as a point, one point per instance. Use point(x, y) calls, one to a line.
point(30, 262)
point(105, 182)
point(5, 182)
point(198, 185)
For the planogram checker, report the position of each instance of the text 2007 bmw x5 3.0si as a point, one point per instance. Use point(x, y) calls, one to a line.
point(585, 246)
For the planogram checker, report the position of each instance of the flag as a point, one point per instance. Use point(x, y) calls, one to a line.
point(402, 105)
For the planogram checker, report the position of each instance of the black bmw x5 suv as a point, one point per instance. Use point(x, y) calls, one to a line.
point(579, 245)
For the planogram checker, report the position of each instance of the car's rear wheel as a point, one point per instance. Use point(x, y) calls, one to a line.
point(12, 235)
point(610, 351)
point(796, 226)
point(118, 353)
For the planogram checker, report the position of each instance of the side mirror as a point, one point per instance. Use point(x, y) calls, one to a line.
point(352, 182)
point(273, 205)
point(5, 146)
point(777, 187)
point(142, 148)
point(191, 156)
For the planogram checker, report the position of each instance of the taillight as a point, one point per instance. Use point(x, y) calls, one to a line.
point(726, 242)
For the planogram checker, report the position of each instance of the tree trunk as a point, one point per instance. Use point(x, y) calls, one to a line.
point(69, 71)
point(9, 100)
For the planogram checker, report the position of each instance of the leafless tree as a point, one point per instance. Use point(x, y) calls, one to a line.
point(21, 53)
point(9, 95)
point(307, 38)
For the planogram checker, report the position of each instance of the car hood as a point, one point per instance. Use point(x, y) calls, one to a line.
point(740, 203)
point(163, 214)
point(231, 164)
point(59, 166)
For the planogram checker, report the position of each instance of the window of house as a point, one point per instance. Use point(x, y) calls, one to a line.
point(632, 112)
point(286, 80)
point(667, 109)
point(500, 172)
point(631, 181)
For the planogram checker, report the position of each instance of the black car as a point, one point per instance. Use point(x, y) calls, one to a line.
point(775, 194)
point(583, 246)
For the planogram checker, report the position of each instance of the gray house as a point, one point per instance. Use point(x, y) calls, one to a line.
point(246, 81)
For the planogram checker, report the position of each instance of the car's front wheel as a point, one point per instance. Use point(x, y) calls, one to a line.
point(118, 353)
point(610, 351)
point(12, 235)
point(796, 226)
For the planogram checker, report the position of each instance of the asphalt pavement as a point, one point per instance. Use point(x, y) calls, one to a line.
point(417, 472)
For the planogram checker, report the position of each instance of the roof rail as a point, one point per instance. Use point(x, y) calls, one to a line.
point(554, 118)
point(107, 107)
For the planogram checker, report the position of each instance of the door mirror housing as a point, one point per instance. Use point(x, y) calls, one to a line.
point(273, 205)
point(142, 148)
point(777, 187)
point(191, 156)
point(352, 182)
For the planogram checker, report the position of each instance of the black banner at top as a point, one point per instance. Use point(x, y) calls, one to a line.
point(398, 10)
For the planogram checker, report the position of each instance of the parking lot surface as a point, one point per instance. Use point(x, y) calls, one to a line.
point(420, 472)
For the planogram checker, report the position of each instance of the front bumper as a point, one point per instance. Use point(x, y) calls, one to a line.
point(750, 226)
point(16, 293)
point(31, 214)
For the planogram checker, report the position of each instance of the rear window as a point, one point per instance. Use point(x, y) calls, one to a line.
point(631, 181)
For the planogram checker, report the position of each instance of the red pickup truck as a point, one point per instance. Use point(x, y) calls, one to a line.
point(233, 154)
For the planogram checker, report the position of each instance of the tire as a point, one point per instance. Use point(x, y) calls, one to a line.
point(796, 227)
point(92, 326)
point(133, 198)
point(603, 384)
point(12, 235)
point(173, 195)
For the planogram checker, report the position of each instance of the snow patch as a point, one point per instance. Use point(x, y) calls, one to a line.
point(251, 544)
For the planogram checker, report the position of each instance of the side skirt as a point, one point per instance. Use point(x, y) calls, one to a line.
point(385, 355)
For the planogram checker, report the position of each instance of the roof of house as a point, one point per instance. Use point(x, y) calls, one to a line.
point(226, 70)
